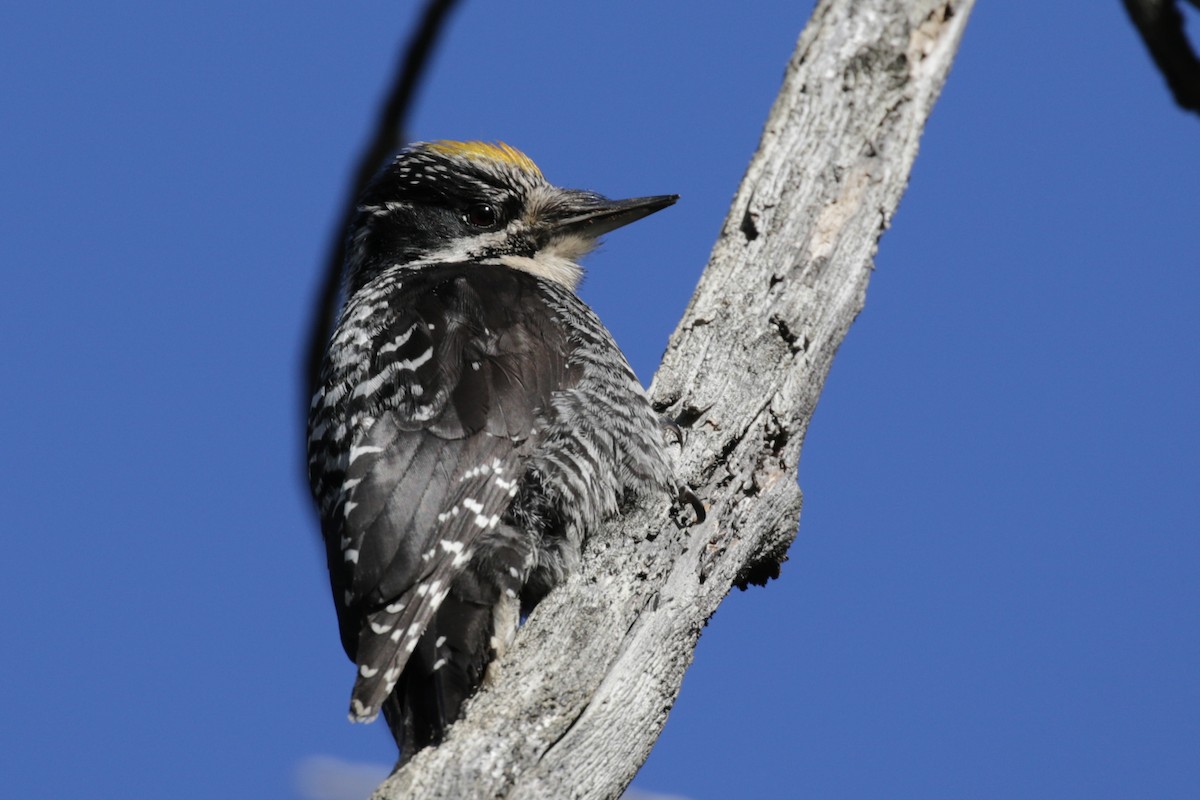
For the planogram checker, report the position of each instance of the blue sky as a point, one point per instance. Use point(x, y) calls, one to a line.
point(994, 592)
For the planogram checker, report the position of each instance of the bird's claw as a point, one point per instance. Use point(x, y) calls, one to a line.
point(684, 496)
point(672, 430)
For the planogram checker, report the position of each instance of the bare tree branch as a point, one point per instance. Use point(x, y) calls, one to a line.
point(585, 691)
point(1161, 26)
point(389, 136)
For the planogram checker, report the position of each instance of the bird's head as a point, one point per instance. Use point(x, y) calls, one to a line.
point(477, 202)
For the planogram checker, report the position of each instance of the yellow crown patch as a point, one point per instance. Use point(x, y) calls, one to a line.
point(486, 151)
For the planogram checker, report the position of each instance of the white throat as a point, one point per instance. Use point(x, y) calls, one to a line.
point(558, 261)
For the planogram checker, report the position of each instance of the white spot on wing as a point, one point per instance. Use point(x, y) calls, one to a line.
point(357, 452)
point(362, 712)
point(397, 343)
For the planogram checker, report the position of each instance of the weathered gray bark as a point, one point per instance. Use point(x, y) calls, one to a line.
point(585, 691)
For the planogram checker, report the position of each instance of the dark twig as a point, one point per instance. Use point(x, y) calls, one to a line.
point(1161, 26)
point(389, 135)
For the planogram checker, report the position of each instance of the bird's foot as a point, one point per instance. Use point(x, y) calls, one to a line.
point(686, 499)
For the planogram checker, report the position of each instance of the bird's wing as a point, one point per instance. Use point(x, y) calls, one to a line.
point(468, 366)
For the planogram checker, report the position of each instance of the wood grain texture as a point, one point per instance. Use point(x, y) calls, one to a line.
point(584, 693)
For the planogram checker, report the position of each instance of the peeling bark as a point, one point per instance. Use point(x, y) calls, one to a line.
point(586, 689)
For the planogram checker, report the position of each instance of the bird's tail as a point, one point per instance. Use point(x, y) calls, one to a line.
point(446, 667)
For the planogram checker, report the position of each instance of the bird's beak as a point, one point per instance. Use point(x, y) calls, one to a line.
point(595, 216)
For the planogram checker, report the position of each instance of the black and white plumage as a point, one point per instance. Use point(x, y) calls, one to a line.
point(474, 421)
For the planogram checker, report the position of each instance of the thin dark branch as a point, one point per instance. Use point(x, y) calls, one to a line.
point(1161, 26)
point(389, 135)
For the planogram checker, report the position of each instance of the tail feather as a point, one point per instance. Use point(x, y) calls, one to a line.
point(444, 669)
point(389, 636)
point(387, 640)
point(465, 633)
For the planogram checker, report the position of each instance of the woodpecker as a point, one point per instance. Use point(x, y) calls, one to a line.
point(474, 421)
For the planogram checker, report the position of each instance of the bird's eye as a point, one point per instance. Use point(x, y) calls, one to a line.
point(480, 215)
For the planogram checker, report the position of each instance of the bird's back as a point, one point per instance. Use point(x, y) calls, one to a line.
point(473, 424)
